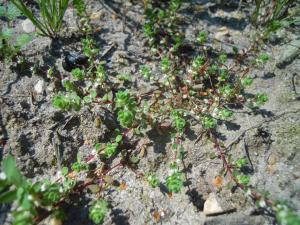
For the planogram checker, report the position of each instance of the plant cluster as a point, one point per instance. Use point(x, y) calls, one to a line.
point(30, 197)
point(51, 15)
point(161, 26)
point(10, 42)
point(275, 15)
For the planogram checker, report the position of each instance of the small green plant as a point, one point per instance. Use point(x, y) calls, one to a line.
point(27, 196)
point(10, 46)
point(98, 211)
point(209, 122)
point(237, 172)
point(51, 13)
point(197, 63)
point(69, 101)
point(79, 5)
point(110, 149)
point(126, 107)
point(285, 215)
point(153, 180)
point(101, 75)
point(225, 114)
point(78, 74)
point(274, 18)
point(145, 72)
point(79, 166)
point(178, 121)
point(247, 81)
point(165, 64)
point(201, 38)
point(161, 25)
point(9, 12)
point(174, 182)
point(222, 58)
point(261, 99)
point(262, 59)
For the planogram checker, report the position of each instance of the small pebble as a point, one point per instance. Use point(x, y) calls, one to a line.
point(28, 26)
point(39, 87)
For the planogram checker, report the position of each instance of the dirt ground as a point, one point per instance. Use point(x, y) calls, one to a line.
point(43, 139)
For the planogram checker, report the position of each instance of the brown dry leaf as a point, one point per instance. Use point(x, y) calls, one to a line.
point(98, 122)
point(108, 179)
point(71, 175)
point(113, 17)
point(143, 151)
point(123, 186)
point(223, 31)
point(217, 181)
point(96, 15)
point(97, 29)
point(156, 216)
point(170, 194)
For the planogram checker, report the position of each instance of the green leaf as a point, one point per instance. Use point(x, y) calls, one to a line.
point(12, 173)
point(174, 182)
point(64, 171)
point(22, 40)
point(119, 138)
point(153, 180)
point(8, 197)
point(110, 149)
point(243, 179)
point(6, 33)
point(12, 12)
point(98, 211)
point(201, 37)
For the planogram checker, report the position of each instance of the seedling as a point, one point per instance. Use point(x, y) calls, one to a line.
point(145, 72)
point(208, 123)
point(247, 81)
point(70, 101)
point(79, 166)
point(10, 47)
point(262, 59)
point(174, 182)
point(201, 38)
point(261, 99)
point(126, 109)
point(78, 74)
point(165, 64)
point(178, 121)
point(98, 211)
point(153, 180)
point(225, 114)
point(110, 150)
point(9, 12)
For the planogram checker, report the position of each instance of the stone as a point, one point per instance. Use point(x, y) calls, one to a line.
point(223, 31)
point(214, 206)
point(28, 26)
point(289, 51)
point(39, 87)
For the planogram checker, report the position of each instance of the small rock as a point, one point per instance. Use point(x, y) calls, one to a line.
point(214, 206)
point(74, 60)
point(223, 31)
point(96, 15)
point(289, 52)
point(55, 221)
point(39, 87)
point(94, 188)
point(198, 87)
point(28, 26)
